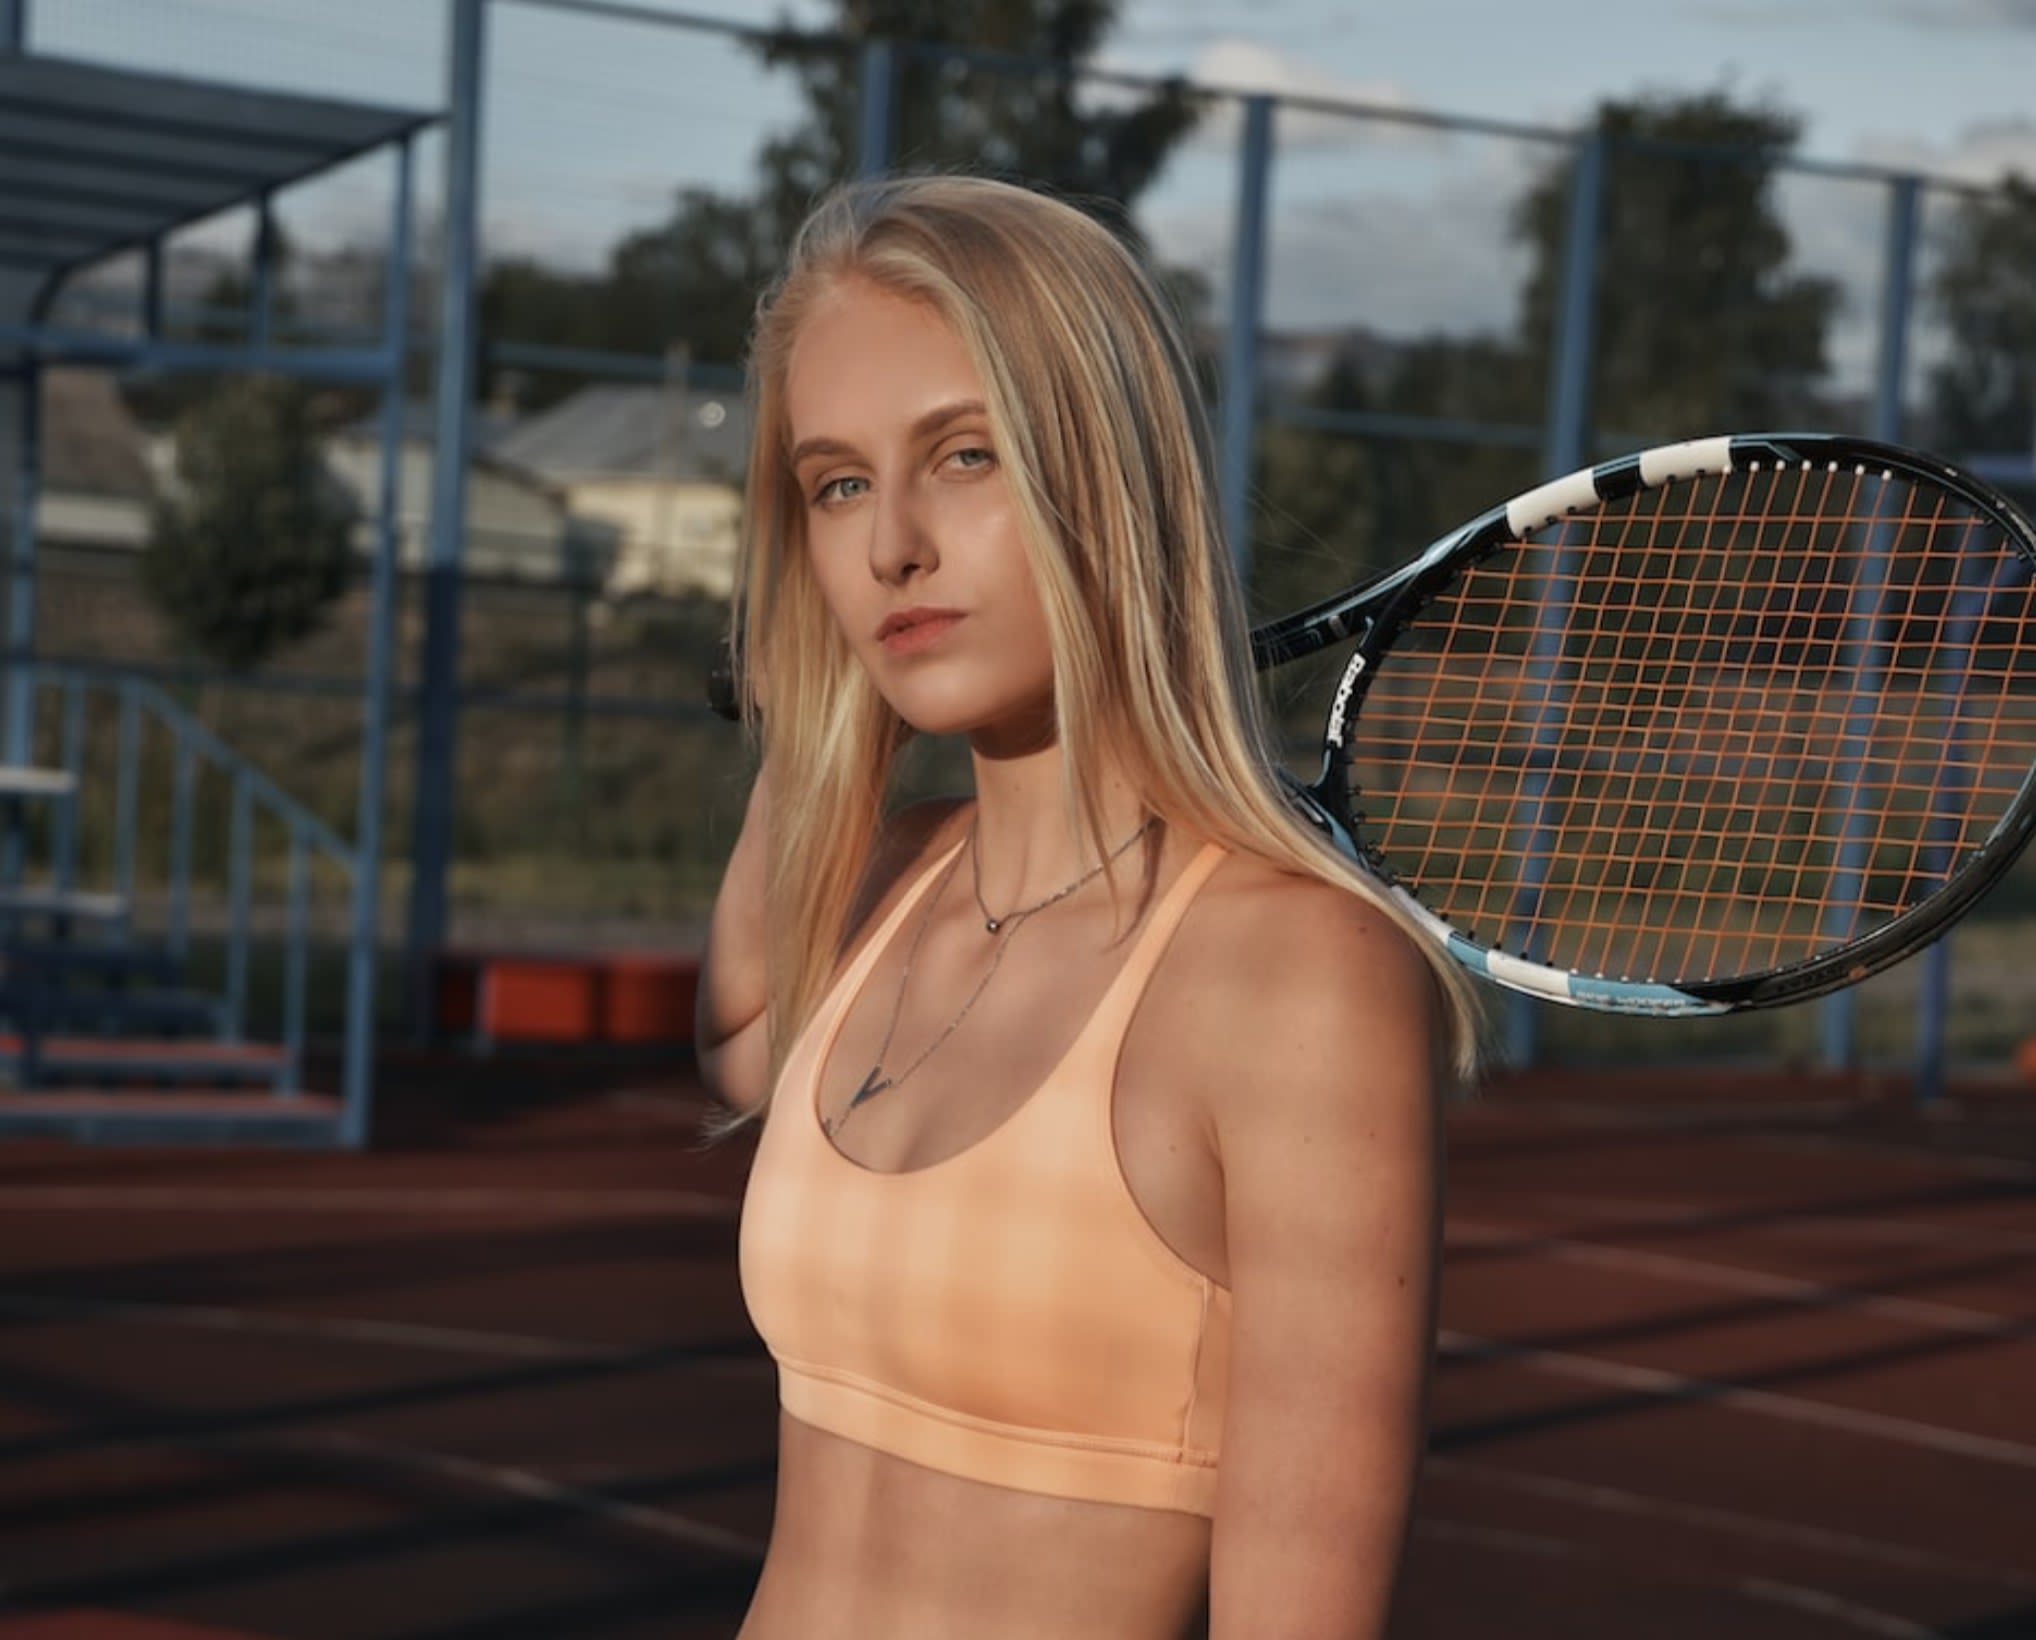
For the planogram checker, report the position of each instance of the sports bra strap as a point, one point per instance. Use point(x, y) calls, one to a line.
point(1123, 992)
point(865, 959)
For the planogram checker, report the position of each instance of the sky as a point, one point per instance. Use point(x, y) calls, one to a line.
point(1947, 86)
point(593, 123)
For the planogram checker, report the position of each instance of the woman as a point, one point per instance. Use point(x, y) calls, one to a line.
point(1094, 1218)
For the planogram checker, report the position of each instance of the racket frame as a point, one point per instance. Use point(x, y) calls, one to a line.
point(1375, 612)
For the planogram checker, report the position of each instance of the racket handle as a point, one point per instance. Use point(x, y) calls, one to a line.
point(721, 693)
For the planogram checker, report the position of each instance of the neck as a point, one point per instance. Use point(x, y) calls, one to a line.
point(1028, 841)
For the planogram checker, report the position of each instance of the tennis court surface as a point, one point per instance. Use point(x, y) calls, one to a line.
point(1724, 1354)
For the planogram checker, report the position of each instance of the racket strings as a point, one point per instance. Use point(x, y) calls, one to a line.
point(1713, 729)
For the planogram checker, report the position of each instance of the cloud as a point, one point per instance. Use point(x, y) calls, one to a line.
point(1818, 14)
point(1404, 262)
point(1244, 67)
point(1984, 152)
point(1937, 14)
point(1399, 262)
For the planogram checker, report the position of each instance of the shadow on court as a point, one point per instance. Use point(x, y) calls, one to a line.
point(1757, 1375)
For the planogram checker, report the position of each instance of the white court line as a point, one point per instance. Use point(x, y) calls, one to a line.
point(1614, 1213)
point(1510, 1542)
point(1701, 1119)
point(1643, 1118)
point(1708, 1517)
point(325, 1329)
point(1899, 1230)
point(1674, 1386)
point(1795, 1596)
point(423, 1201)
point(1911, 1312)
point(1988, 1167)
point(346, 1329)
point(1821, 1602)
point(527, 1483)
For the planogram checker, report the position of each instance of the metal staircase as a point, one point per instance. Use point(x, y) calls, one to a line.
point(107, 1029)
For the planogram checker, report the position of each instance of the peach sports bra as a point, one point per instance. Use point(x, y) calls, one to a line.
point(1006, 1314)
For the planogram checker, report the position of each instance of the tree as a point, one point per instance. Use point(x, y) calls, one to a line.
point(1701, 324)
point(1027, 121)
point(696, 276)
point(1983, 395)
point(254, 546)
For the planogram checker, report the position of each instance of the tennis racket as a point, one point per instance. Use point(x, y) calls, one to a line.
point(1723, 725)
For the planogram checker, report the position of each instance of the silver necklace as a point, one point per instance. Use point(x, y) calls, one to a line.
point(876, 1082)
point(992, 924)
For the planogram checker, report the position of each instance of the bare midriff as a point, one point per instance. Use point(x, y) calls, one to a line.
point(868, 1544)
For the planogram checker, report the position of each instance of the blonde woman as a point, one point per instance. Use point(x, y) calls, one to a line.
point(1094, 1218)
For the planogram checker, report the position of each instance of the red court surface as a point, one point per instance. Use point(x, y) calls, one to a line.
point(1721, 1357)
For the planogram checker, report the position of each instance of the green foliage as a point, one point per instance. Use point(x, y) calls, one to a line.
point(1701, 325)
point(1983, 396)
point(696, 276)
point(1030, 122)
point(253, 547)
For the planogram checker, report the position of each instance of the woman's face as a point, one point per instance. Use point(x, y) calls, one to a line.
point(910, 525)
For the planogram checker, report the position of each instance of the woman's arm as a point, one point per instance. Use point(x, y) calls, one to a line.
point(1326, 1119)
point(731, 1030)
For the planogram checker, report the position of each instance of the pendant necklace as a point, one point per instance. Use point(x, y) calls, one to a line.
point(876, 1081)
point(992, 924)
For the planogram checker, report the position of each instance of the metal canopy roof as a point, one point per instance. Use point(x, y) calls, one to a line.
point(97, 160)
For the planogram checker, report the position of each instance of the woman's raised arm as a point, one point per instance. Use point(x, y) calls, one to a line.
point(731, 1025)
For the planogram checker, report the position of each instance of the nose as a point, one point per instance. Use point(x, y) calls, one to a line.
point(901, 546)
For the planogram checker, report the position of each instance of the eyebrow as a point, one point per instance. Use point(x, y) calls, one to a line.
point(925, 427)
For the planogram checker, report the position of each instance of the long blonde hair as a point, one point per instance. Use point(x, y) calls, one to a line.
point(1100, 431)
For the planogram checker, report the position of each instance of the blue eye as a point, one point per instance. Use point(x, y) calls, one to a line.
point(837, 489)
point(974, 458)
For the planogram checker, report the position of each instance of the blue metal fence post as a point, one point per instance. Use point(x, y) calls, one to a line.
point(1575, 341)
point(27, 458)
point(240, 903)
point(183, 835)
point(261, 314)
point(127, 791)
point(17, 732)
point(65, 863)
point(438, 704)
point(296, 937)
point(357, 1085)
point(1839, 1017)
point(1947, 803)
point(152, 291)
point(1567, 441)
point(878, 138)
point(1240, 331)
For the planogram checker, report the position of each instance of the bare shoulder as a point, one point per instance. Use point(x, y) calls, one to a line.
point(1311, 1042)
point(1280, 986)
point(1262, 942)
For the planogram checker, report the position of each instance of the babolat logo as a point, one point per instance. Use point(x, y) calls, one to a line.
point(1351, 674)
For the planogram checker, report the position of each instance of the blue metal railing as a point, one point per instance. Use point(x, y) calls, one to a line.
point(145, 715)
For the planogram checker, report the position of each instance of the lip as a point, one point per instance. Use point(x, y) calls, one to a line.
point(907, 630)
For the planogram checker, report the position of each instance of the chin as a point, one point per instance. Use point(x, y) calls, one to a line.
point(1022, 724)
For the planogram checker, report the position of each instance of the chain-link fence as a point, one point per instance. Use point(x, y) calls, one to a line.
point(1429, 319)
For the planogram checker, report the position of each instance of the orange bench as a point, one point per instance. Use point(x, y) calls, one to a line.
point(632, 997)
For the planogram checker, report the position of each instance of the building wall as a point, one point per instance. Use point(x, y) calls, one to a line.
point(66, 518)
point(515, 528)
point(674, 537)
